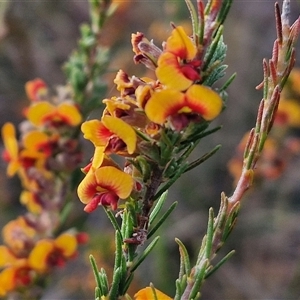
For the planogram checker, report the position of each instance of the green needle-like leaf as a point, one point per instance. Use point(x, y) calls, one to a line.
point(158, 206)
point(104, 282)
point(224, 11)
point(194, 18)
point(127, 283)
point(180, 171)
point(112, 219)
point(144, 254)
point(213, 48)
point(96, 273)
point(162, 220)
point(202, 159)
point(199, 278)
point(220, 263)
point(184, 256)
point(114, 290)
point(210, 233)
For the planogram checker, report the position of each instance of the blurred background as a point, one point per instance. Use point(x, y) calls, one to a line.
point(36, 38)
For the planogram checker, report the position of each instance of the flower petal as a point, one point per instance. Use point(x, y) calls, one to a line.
point(180, 44)
point(69, 113)
point(37, 112)
point(162, 104)
point(67, 243)
point(98, 157)
point(170, 74)
point(9, 140)
point(147, 294)
point(11, 148)
point(37, 143)
point(204, 101)
point(31, 201)
point(6, 256)
point(39, 255)
point(114, 180)
point(87, 187)
point(122, 130)
point(96, 132)
point(7, 280)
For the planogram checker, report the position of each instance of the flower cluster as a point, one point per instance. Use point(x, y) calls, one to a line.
point(135, 123)
point(145, 135)
point(43, 157)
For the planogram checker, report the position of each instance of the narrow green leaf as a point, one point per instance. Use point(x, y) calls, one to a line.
point(123, 278)
point(114, 292)
point(158, 206)
point(202, 250)
point(97, 293)
point(161, 220)
point(118, 252)
point(142, 135)
point(199, 278)
point(224, 11)
point(104, 282)
point(222, 214)
point(184, 256)
point(202, 159)
point(112, 219)
point(228, 82)
point(208, 7)
point(220, 263)
point(230, 222)
point(194, 18)
point(180, 171)
point(144, 254)
point(210, 233)
point(212, 48)
point(153, 291)
point(178, 292)
point(96, 272)
point(197, 137)
point(127, 283)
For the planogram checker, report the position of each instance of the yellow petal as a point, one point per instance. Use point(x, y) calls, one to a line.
point(122, 130)
point(180, 44)
point(6, 257)
point(69, 113)
point(143, 93)
point(87, 187)
point(36, 113)
point(7, 280)
point(115, 180)
point(169, 73)
point(29, 200)
point(9, 140)
point(204, 101)
point(98, 157)
point(147, 294)
point(96, 132)
point(39, 255)
point(162, 104)
point(67, 243)
point(36, 142)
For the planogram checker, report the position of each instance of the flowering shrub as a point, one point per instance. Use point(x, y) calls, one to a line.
point(142, 145)
point(44, 157)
